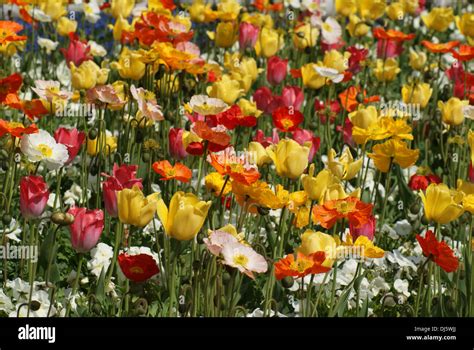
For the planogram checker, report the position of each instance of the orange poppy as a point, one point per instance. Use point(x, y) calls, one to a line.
point(302, 266)
point(391, 34)
point(464, 53)
point(227, 163)
point(440, 48)
point(178, 171)
point(349, 100)
point(8, 32)
point(265, 5)
point(32, 109)
point(357, 212)
point(213, 135)
point(16, 129)
point(10, 85)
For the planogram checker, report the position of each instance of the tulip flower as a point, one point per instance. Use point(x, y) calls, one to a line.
point(87, 75)
point(276, 70)
point(175, 143)
point(302, 136)
point(452, 111)
point(121, 8)
point(248, 35)
point(292, 96)
point(315, 186)
point(367, 229)
point(66, 26)
point(438, 19)
point(345, 168)
point(34, 195)
point(227, 89)
point(129, 65)
point(268, 42)
point(184, 217)
point(134, 208)
point(86, 228)
point(290, 158)
point(72, 139)
point(312, 242)
point(311, 78)
point(418, 94)
point(225, 35)
point(441, 204)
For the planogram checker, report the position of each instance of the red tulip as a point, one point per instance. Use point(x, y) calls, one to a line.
point(389, 48)
point(421, 182)
point(34, 195)
point(77, 51)
point(263, 98)
point(248, 35)
point(471, 172)
point(276, 70)
point(86, 228)
point(72, 139)
point(301, 136)
point(122, 177)
point(138, 268)
point(267, 140)
point(292, 96)
point(175, 141)
point(367, 229)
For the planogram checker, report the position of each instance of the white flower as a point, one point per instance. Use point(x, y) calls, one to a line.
point(206, 105)
point(403, 227)
point(48, 45)
point(401, 286)
point(377, 285)
point(37, 14)
point(330, 30)
point(101, 257)
point(259, 313)
point(43, 147)
point(42, 306)
point(91, 11)
point(244, 258)
point(20, 289)
point(5, 303)
point(74, 194)
point(50, 90)
point(96, 49)
point(330, 73)
point(217, 240)
point(12, 231)
point(396, 257)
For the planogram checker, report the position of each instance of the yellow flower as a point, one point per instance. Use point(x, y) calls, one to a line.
point(441, 204)
point(122, 8)
point(336, 60)
point(215, 182)
point(384, 128)
point(53, 8)
point(312, 242)
point(121, 25)
point(417, 94)
point(259, 153)
point(104, 142)
point(470, 141)
point(311, 78)
point(289, 157)
point(227, 89)
point(66, 26)
point(417, 60)
point(410, 6)
point(336, 191)
point(346, 7)
point(185, 216)
point(364, 117)
point(357, 27)
point(258, 19)
point(386, 71)
point(468, 203)
point(315, 186)
point(305, 36)
point(395, 11)
point(129, 65)
point(249, 107)
point(268, 42)
point(366, 248)
point(465, 23)
point(371, 9)
point(87, 75)
point(226, 34)
point(395, 151)
point(452, 111)
point(439, 18)
point(134, 208)
point(344, 168)
point(201, 12)
point(228, 10)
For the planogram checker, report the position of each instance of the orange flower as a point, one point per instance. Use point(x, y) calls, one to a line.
point(8, 30)
point(465, 53)
point(178, 172)
point(10, 85)
point(265, 5)
point(214, 135)
point(32, 109)
point(239, 169)
point(357, 212)
point(16, 129)
point(391, 34)
point(287, 119)
point(349, 101)
point(302, 266)
point(440, 48)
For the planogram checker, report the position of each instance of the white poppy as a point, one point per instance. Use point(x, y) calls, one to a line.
point(330, 73)
point(244, 258)
point(43, 147)
point(331, 31)
point(96, 49)
point(206, 105)
point(50, 90)
point(91, 11)
point(47, 44)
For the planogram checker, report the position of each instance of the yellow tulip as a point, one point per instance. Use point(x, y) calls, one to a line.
point(470, 141)
point(228, 10)
point(305, 36)
point(249, 107)
point(66, 26)
point(452, 111)
point(103, 143)
point(336, 191)
point(226, 89)
point(417, 94)
point(410, 6)
point(395, 11)
point(393, 151)
point(289, 157)
point(417, 60)
point(357, 27)
point(185, 216)
point(226, 34)
point(315, 186)
point(122, 8)
point(346, 7)
point(386, 71)
point(259, 153)
point(268, 42)
point(311, 78)
point(364, 117)
point(312, 242)
point(134, 208)
point(53, 8)
point(439, 18)
point(336, 60)
point(121, 25)
point(465, 24)
point(87, 75)
point(198, 10)
point(441, 204)
point(371, 9)
point(129, 65)
point(344, 168)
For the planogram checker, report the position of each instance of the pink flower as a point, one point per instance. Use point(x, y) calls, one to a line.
point(175, 141)
point(147, 103)
point(86, 228)
point(389, 48)
point(122, 177)
point(367, 229)
point(49, 90)
point(346, 132)
point(292, 96)
point(77, 51)
point(248, 35)
point(267, 141)
point(105, 95)
point(263, 98)
point(72, 139)
point(302, 135)
point(276, 70)
point(34, 195)
point(217, 240)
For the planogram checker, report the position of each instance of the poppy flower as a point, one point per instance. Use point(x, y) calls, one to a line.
point(178, 171)
point(8, 32)
point(301, 265)
point(287, 119)
point(215, 135)
point(349, 100)
point(32, 109)
point(16, 129)
point(421, 182)
point(393, 151)
point(138, 268)
point(356, 211)
point(391, 34)
point(238, 168)
point(233, 117)
point(464, 53)
point(10, 85)
point(439, 48)
point(438, 251)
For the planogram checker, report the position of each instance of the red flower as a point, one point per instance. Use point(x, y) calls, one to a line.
point(391, 34)
point(248, 35)
point(302, 136)
point(34, 195)
point(421, 182)
point(292, 96)
point(357, 56)
point(228, 163)
point(464, 53)
point(86, 229)
point(195, 149)
point(357, 212)
point(175, 142)
point(439, 48)
point(16, 129)
point(213, 135)
point(10, 85)
point(301, 265)
point(167, 171)
point(349, 100)
point(32, 109)
point(267, 140)
point(440, 252)
point(138, 268)
point(72, 139)
point(367, 229)
point(233, 117)
point(287, 119)
point(276, 70)
point(77, 51)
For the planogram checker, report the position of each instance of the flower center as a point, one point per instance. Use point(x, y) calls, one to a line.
point(300, 265)
point(45, 150)
point(241, 260)
point(344, 207)
point(136, 270)
point(287, 123)
point(327, 27)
